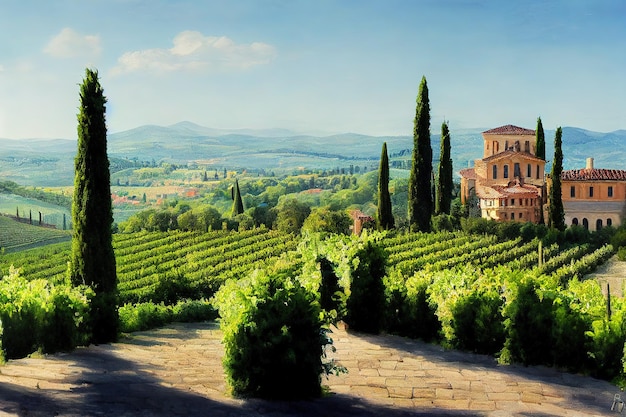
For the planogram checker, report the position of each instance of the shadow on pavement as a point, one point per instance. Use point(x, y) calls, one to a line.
point(112, 386)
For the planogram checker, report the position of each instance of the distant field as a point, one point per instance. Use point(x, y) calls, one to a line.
point(16, 236)
point(52, 214)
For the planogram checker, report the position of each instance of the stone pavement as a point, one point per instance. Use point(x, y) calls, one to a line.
point(177, 371)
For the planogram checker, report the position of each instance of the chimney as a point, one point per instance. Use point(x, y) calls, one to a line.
point(589, 163)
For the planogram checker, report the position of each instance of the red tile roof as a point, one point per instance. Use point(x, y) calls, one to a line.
point(510, 130)
point(468, 173)
point(509, 153)
point(594, 174)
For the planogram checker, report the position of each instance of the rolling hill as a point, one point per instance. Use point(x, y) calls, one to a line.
point(50, 162)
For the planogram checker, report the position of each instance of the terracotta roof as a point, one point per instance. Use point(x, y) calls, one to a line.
point(509, 152)
point(499, 191)
point(468, 173)
point(594, 174)
point(510, 130)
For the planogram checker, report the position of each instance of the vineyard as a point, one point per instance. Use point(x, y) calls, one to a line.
point(168, 266)
point(16, 236)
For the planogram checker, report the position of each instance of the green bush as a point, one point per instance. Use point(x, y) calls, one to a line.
point(621, 254)
point(366, 302)
point(421, 319)
point(37, 315)
point(144, 316)
point(273, 336)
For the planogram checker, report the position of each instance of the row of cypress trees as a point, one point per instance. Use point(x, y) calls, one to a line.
point(422, 204)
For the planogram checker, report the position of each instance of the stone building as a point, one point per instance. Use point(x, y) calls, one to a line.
point(509, 180)
point(593, 197)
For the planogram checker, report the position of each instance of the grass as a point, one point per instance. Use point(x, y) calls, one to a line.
point(16, 236)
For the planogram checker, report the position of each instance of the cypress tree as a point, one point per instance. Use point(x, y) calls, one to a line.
point(385, 216)
point(541, 140)
point(556, 217)
point(92, 258)
point(420, 184)
point(237, 201)
point(444, 181)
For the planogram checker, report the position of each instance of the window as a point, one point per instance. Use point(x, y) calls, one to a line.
point(609, 222)
point(586, 223)
point(572, 191)
point(537, 171)
point(512, 201)
point(610, 191)
point(575, 221)
point(527, 147)
point(599, 224)
point(506, 171)
point(590, 191)
point(529, 171)
point(516, 171)
point(512, 216)
point(495, 172)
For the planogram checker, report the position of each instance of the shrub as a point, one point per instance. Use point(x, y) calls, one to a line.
point(144, 316)
point(273, 336)
point(366, 302)
point(618, 240)
point(38, 315)
point(621, 254)
point(422, 322)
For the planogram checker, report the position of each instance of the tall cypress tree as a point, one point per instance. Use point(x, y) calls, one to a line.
point(541, 140)
point(420, 184)
point(92, 258)
point(385, 216)
point(237, 201)
point(444, 180)
point(556, 218)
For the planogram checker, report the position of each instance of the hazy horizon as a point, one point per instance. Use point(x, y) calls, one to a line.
point(327, 66)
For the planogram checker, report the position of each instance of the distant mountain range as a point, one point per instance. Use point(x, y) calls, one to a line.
point(48, 162)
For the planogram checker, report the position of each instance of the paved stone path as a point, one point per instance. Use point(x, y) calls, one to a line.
point(177, 371)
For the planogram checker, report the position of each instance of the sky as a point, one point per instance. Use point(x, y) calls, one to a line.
point(314, 66)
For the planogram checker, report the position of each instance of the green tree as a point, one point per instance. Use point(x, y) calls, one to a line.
point(291, 214)
point(322, 219)
point(92, 258)
point(420, 184)
point(385, 215)
point(556, 216)
point(237, 201)
point(541, 140)
point(444, 179)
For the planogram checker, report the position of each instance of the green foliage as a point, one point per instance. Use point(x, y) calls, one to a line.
point(445, 173)
point(619, 239)
point(385, 215)
point(16, 236)
point(93, 259)
point(556, 212)
point(291, 215)
point(145, 316)
point(420, 186)
point(540, 140)
point(39, 315)
point(237, 201)
point(324, 220)
point(621, 254)
point(273, 336)
point(365, 305)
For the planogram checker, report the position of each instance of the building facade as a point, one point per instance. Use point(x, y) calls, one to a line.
point(592, 197)
point(509, 181)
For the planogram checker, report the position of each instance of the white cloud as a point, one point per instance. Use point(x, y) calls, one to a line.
point(69, 44)
point(194, 51)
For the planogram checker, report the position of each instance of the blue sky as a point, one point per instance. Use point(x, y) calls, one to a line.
point(314, 65)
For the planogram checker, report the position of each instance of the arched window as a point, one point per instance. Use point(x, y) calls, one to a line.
point(575, 221)
point(599, 224)
point(495, 172)
point(506, 171)
point(586, 223)
point(609, 222)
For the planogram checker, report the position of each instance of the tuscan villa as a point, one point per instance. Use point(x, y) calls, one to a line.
point(509, 180)
point(594, 197)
